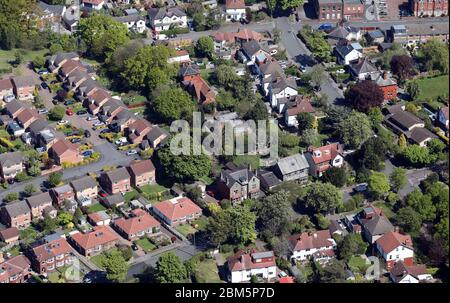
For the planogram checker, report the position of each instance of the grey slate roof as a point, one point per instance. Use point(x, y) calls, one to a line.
point(189, 70)
point(37, 126)
point(118, 174)
point(155, 133)
point(344, 50)
point(18, 208)
point(283, 83)
point(251, 47)
point(405, 119)
point(241, 176)
point(292, 164)
point(51, 9)
point(14, 106)
point(23, 81)
point(339, 32)
point(362, 67)
point(129, 18)
point(39, 199)
point(10, 159)
point(83, 183)
point(419, 134)
point(115, 199)
point(378, 225)
point(160, 13)
point(268, 178)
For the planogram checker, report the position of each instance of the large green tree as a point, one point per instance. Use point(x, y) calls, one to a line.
point(170, 269)
point(378, 184)
point(372, 154)
point(398, 178)
point(355, 129)
point(115, 265)
point(352, 244)
point(275, 213)
point(204, 47)
point(434, 54)
point(409, 220)
point(173, 103)
point(323, 197)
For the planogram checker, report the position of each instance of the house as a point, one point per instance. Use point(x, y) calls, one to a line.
point(94, 242)
point(15, 129)
point(11, 164)
point(69, 67)
point(429, 8)
point(71, 18)
point(375, 36)
point(349, 53)
point(352, 10)
point(323, 158)
point(394, 247)
point(61, 194)
point(415, 273)
point(49, 14)
point(318, 244)
point(328, 9)
point(93, 4)
point(138, 130)
point(110, 110)
point(83, 201)
point(46, 138)
point(269, 71)
point(347, 33)
point(16, 214)
point(283, 88)
point(245, 264)
point(244, 35)
point(15, 270)
point(363, 70)
point(41, 204)
point(100, 218)
point(14, 108)
point(55, 62)
point(442, 117)
point(85, 187)
point(181, 56)
point(177, 210)
point(268, 180)
point(23, 87)
point(6, 89)
point(200, 89)
point(253, 52)
point(10, 235)
point(294, 167)
point(235, 10)
point(374, 223)
point(301, 104)
point(96, 100)
point(154, 138)
point(52, 254)
point(116, 181)
point(388, 85)
point(115, 200)
point(26, 117)
point(223, 39)
point(64, 151)
point(162, 19)
point(36, 127)
point(142, 173)
point(134, 22)
point(138, 225)
point(238, 184)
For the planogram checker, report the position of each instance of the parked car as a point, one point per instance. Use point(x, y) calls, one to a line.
point(134, 247)
point(340, 71)
point(8, 98)
point(361, 187)
point(121, 140)
point(87, 133)
point(69, 102)
point(69, 112)
point(326, 26)
point(43, 72)
point(81, 112)
point(105, 131)
point(131, 152)
point(99, 123)
point(62, 122)
point(102, 193)
point(302, 69)
point(173, 36)
point(75, 140)
point(43, 111)
point(91, 118)
point(86, 153)
point(44, 85)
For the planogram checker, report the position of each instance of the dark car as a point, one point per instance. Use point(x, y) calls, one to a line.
point(69, 102)
point(134, 247)
point(75, 140)
point(44, 85)
point(87, 133)
point(173, 36)
point(11, 181)
point(105, 131)
point(81, 112)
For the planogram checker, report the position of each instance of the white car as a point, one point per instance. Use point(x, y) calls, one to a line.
point(91, 118)
point(340, 71)
point(62, 122)
point(99, 124)
point(43, 111)
point(131, 152)
point(121, 141)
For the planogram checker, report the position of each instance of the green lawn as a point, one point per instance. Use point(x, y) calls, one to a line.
point(200, 223)
point(186, 229)
point(145, 244)
point(207, 272)
point(131, 195)
point(207, 180)
point(433, 87)
point(253, 160)
point(15, 251)
point(96, 207)
point(357, 264)
point(28, 55)
point(153, 189)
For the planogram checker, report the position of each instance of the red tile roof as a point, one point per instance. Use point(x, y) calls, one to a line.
point(14, 266)
point(247, 34)
point(317, 239)
point(302, 105)
point(224, 36)
point(391, 240)
point(52, 249)
point(62, 146)
point(243, 260)
point(400, 270)
point(235, 4)
point(141, 167)
point(286, 280)
point(327, 153)
point(98, 236)
point(177, 208)
point(201, 89)
point(140, 222)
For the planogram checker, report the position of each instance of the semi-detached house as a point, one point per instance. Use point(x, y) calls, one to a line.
point(245, 264)
point(116, 181)
point(54, 253)
point(177, 211)
point(162, 19)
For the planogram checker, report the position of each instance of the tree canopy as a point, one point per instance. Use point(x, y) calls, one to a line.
point(173, 103)
point(170, 269)
point(378, 184)
point(115, 265)
point(323, 197)
point(434, 54)
point(355, 129)
point(275, 213)
point(364, 95)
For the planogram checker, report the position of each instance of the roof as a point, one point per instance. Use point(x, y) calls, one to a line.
point(401, 270)
point(160, 13)
point(376, 34)
point(115, 199)
point(381, 81)
point(62, 146)
point(339, 32)
point(140, 221)
point(51, 249)
point(301, 104)
point(317, 239)
point(292, 164)
point(392, 239)
point(141, 167)
point(83, 183)
point(129, 18)
point(51, 9)
point(268, 177)
point(377, 225)
point(14, 106)
point(247, 34)
point(10, 159)
point(98, 236)
point(26, 115)
point(241, 176)
point(15, 265)
point(325, 153)
point(23, 81)
point(282, 83)
point(287, 279)
point(444, 111)
point(189, 70)
point(63, 189)
point(9, 233)
point(223, 36)
point(5, 84)
point(421, 134)
point(251, 47)
point(245, 260)
point(18, 208)
point(405, 119)
point(177, 208)
point(39, 200)
point(99, 216)
point(235, 4)
point(118, 174)
point(38, 126)
point(362, 67)
point(425, 29)
point(203, 92)
point(344, 50)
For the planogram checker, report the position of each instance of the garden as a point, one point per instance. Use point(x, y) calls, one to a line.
point(145, 244)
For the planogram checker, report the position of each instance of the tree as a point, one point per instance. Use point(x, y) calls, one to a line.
point(64, 218)
point(226, 76)
point(422, 204)
point(55, 179)
point(364, 95)
point(409, 220)
point(311, 137)
point(170, 269)
point(305, 121)
point(275, 213)
point(48, 224)
point(195, 7)
point(271, 4)
point(102, 34)
point(12, 196)
point(38, 62)
point(355, 129)
point(55, 48)
point(290, 4)
point(402, 142)
point(204, 47)
point(57, 113)
point(317, 75)
point(416, 155)
point(257, 112)
point(276, 35)
point(333, 272)
point(375, 116)
point(372, 154)
point(115, 265)
point(413, 89)
point(402, 66)
point(378, 184)
point(225, 100)
point(336, 175)
point(352, 244)
point(29, 189)
point(323, 197)
point(398, 179)
point(173, 104)
point(434, 54)
point(198, 22)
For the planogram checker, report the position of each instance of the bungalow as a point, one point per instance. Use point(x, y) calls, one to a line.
point(323, 158)
point(349, 53)
point(318, 245)
point(64, 152)
point(142, 173)
point(134, 22)
point(6, 89)
point(94, 242)
point(100, 218)
point(16, 214)
point(11, 164)
point(235, 10)
point(52, 254)
point(92, 4)
point(162, 19)
point(115, 200)
point(137, 226)
point(23, 87)
point(415, 273)
point(116, 181)
point(177, 210)
point(388, 85)
point(291, 168)
point(40, 205)
point(394, 247)
point(301, 104)
point(10, 235)
point(374, 223)
point(245, 264)
point(363, 70)
point(15, 270)
point(85, 187)
point(238, 184)
point(61, 194)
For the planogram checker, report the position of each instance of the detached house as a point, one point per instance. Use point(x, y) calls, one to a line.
point(253, 52)
point(318, 245)
point(142, 173)
point(349, 53)
point(40, 205)
point(162, 19)
point(363, 70)
point(52, 254)
point(235, 10)
point(16, 214)
point(23, 87)
point(374, 223)
point(323, 158)
point(415, 273)
point(94, 242)
point(301, 104)
point(291, 168)
point(200, 89)
point(15, 270)
point(64, 151)
point(245, 264)
point(85, 187)
point(345, 33)
point(239, 184)
point(394, 247)
point(10, 235)
point(93, 4)
point(134, 22)
point(281, 90)
point(442, 117)
point(116, 181)
point(137, 226)
point(388, 85)
point(11, 164)
point(177, 211)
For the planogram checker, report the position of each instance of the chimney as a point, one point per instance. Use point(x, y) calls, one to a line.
point(385, 75)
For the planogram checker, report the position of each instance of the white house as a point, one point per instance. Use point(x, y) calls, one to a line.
point(442, 117)
point(181, 56)
point(301, 104)
point(281, 90)
point(402, 273)
point(243, 265)
point(318, 244)
point(135, 22)
point(235, 10)
point(93, 4)
point(347, 54)
point(394, 247)
point(162, 19)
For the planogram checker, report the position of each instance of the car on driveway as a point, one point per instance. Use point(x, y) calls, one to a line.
point(62, 122)
point(87, 153)
point(69, 112)
point(43, 72)
point(69, 102)
point(81, 112)
point(96, 124)
point(302, 69)
point(340, 71)
point(44, 85)
point(131, 152)
point(87, 133)
point(75, 140)
point(105, 131)
point(43, 111)
point(91, 118)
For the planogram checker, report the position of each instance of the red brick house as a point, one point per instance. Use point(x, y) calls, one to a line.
point(116, 181)
point(137, 226)
point(198, 87)
point(15, 270)
point(388, 85)
point(51, 255)
point(16, 214)
point(62, 193)
point(352, 10)
point(431, 8)
point(323, 158)
point(142, 173)
point(64, 151)
point(177, 210)
point(92, 243)
point(9, 235)
point(328, 9)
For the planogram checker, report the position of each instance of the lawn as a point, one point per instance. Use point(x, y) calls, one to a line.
point(200, 223)
point(145, 244)
point(152, 192)
point(131, 195)
point(244, 160)
point(186, 229)
point(8, 55)
point(357, 264)
point(96, 207)
point(433, 87)
point(98, 259)
point(207, 272)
